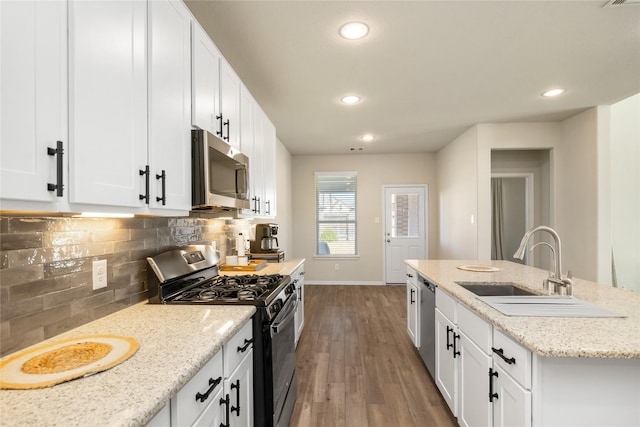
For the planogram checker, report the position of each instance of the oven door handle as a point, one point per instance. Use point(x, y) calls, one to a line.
point(287, 315)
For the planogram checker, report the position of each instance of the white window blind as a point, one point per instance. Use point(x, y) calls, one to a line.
point(336, 227)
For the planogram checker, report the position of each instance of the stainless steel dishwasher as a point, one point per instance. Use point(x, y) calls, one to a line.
point(428, 324)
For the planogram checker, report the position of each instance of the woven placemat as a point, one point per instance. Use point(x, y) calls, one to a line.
point(54, 363)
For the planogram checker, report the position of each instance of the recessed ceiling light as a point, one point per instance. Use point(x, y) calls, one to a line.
point(354, 30)
point(367, 137)
point(350, 99)
point(553, 92)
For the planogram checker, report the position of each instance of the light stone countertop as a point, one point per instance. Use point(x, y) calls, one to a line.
point(175, 342)
point(548, 336)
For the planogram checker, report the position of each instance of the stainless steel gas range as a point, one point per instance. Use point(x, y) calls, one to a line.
point(190, 275)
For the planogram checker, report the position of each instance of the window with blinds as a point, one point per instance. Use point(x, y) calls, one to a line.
point(336, 228)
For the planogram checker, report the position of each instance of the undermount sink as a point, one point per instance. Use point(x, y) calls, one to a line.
point(485, 289)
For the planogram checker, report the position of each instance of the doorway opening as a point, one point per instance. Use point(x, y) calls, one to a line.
point(521, 200)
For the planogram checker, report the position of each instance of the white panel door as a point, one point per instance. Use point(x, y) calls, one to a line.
point(33, 105)
point(269, 168)
point(107, 102)
point(230, 104)
point(446, 363)
point(474, 408)
point(206, 82)
point(512, 407)
point(170, 104)
point(405, 231)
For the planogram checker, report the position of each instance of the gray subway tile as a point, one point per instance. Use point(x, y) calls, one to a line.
point(15, 241)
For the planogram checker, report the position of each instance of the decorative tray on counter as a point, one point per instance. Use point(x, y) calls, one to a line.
point(254, 265)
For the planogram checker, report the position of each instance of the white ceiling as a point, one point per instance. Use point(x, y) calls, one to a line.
point(428, 69)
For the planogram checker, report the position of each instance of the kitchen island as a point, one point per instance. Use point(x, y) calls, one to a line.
point(547, 371)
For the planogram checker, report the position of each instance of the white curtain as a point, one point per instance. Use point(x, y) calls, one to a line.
point(497, 220)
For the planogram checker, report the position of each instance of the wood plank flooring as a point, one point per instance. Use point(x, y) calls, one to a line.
point(357, 366)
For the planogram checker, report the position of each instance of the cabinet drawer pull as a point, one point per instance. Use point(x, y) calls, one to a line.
point(225, 402)
point(455, 348)
point(500, 352)
point(58, 187)
point(212, 384)
point(246, 345)
point(146, 174)
point(412, 300)
point(226, 124)
point(236, 408)
point(163, 177)
point(492, 395)
point(219, 132)
point(449, 345)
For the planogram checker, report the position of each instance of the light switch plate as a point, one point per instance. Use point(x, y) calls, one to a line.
point(99, 274)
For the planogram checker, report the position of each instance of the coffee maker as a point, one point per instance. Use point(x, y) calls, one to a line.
point(265, 241)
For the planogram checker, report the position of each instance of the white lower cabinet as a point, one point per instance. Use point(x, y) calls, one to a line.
point(511, 403)
point(221, 393)
point(413, 306)
point(474, 404)
point(298, 282)
point(446, 360)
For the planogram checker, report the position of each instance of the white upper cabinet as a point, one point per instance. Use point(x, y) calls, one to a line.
point(247, 105)
point(170, 104)
point(206, 82)
point(107, 102)
point(230, 104)
point(33, 105)
point(269, 167)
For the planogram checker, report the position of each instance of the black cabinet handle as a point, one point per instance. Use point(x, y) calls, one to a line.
point(212, 384)
point(492, 395)
point(225, 402)
point(219, 131)
point(236, 408)
point(226, 124)
point(455, 348)
point(256, 201)
point(146, 173)
point(246, 345)
point(58, 187)
point(449, 345)
point(500, 352)
point(409, 275)
point(163, 177)
point(412, 300)
point(300, 293)
point(268, 207)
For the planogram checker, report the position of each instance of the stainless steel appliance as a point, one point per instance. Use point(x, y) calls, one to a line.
point(189, 275)
point(266, 240)
point(220, 174)
point(427, 348)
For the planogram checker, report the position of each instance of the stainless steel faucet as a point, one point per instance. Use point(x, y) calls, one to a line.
point(561, 285)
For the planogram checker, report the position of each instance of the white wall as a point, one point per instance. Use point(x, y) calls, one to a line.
point(625, 191)
point(458, 198)
point(374, 171)
point(283, 200)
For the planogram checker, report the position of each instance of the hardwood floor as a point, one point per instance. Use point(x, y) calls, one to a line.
point(356, 365)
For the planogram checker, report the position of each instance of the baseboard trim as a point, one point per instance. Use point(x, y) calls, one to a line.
point(342, 282)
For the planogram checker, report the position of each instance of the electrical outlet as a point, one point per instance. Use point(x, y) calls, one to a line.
point(337, 266)
point(99, 274)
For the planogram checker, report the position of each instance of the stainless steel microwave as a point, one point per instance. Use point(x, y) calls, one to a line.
point(220, 178)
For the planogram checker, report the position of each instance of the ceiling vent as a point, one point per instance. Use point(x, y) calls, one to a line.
point(613, 3)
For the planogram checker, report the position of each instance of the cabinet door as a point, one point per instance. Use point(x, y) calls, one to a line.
point(474, 408)
point(247, 140)
point(170, 104)
point(446, 363)
point(230, 103)
point(213, 415)
point(107, 102)
point(239, 388)
point(299, 315)
point(413, 307)
point(269, 167)
point(33, 105)
point(513, 404)
point(257, 162)
point(206, 82)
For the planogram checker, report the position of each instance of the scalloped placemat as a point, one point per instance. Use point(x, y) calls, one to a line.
point(66, 360)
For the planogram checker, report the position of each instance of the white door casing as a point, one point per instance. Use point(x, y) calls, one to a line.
point(405, 228)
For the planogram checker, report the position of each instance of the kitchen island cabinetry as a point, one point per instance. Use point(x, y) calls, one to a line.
point(534, 371)
point(33, 106)
point(413, 307)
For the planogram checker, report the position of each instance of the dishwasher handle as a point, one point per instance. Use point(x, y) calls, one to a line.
point(430, 286)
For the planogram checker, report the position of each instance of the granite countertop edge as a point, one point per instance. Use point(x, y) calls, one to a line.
point(614, 338)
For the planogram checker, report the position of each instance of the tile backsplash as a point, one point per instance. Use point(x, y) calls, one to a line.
point(46, 267)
